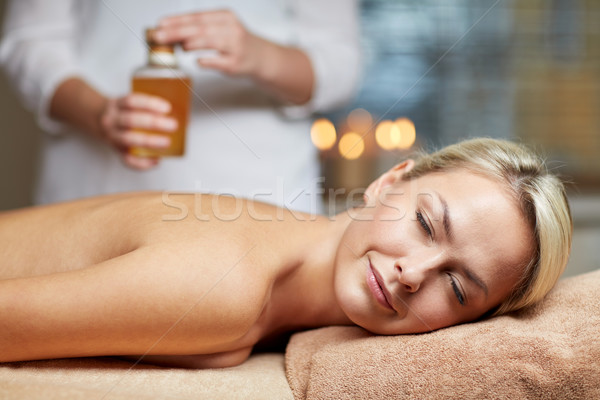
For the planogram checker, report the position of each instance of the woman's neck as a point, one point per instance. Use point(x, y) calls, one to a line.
point(305, 297)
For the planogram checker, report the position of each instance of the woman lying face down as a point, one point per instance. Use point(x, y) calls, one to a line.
point(196, 280)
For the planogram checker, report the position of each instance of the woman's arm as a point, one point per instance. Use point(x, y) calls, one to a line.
point(154, 300)
point(200, 361)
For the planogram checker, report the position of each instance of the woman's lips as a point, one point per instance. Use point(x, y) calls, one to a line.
point(377, 288)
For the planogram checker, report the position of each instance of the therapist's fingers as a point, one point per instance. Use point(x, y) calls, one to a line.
point(129, 139)
point(238, 50)
point(215, 30)
point(179, 28)
point(212, 38)
point(145, 121)
point(241, 56)
point(178, 33)
point(226, 64)
point(141, 101)
point(140, 163)
point(200, 17)
point(122, 127)
point(120, 123)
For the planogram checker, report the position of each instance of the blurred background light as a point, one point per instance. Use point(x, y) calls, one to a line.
point(322, 134)
point(359, 120)
point(383, 135)
point(407, 133)
point(351, 145)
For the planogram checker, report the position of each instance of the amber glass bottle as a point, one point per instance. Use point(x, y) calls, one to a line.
point(162, 77)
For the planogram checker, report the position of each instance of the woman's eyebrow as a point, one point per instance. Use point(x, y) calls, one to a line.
point(475, 279)
point(446, 218)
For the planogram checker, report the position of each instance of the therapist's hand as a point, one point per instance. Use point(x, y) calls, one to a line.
point(237, 49)
point(124, 120)
point(284, 72)
point(120, 122)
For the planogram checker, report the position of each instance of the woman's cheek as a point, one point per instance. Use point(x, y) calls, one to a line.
point(435, 312)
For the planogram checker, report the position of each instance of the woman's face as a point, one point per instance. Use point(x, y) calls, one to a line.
point(436, 251)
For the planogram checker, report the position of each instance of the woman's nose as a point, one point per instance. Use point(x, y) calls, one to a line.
point(410, 277)
point(413, 273)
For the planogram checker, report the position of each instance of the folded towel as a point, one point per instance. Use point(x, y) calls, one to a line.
point(549, 351)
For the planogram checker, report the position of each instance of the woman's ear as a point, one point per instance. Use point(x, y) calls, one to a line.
point(387, 179)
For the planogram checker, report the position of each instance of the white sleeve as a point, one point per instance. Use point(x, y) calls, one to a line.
point(37, 52)
point(327, 31)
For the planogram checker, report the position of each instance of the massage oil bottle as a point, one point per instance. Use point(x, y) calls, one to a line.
point(162, 77)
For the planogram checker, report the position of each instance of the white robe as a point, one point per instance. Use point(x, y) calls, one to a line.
point(240, 141)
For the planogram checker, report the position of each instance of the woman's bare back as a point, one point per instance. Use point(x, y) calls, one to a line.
point(68, 236)
point(126, 275)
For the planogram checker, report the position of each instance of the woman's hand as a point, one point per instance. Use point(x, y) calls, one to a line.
point(284, 72)
point(124, 120)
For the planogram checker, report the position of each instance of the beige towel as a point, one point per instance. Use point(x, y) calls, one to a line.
point(551, 351)
point(261, 377)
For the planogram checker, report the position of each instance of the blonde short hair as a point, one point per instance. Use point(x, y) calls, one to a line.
point(540, 195)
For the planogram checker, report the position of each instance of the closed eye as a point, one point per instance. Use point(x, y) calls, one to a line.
point(423, 224)
point(457, 292)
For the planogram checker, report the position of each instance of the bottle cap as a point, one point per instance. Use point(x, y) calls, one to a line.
point(166, 48)
point(150, 35)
